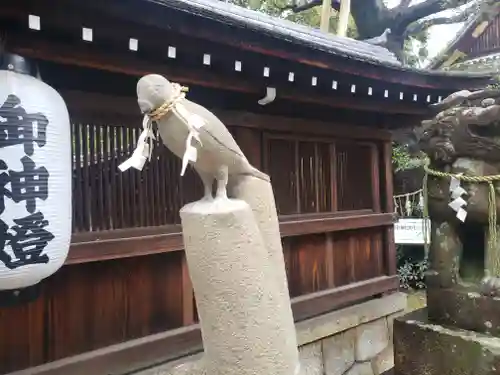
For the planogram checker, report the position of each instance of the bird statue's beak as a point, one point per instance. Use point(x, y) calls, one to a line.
point(145, 106)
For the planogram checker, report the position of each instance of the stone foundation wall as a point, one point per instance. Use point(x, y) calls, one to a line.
point(353, 341)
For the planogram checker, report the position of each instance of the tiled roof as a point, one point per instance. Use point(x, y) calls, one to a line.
point(285, 30)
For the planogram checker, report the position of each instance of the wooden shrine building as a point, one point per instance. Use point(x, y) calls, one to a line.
point(123, 300)
point(476, 46)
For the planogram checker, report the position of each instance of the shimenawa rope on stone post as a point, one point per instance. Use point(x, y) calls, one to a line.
point(492, 211)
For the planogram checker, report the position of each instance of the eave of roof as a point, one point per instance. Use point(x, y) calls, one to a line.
point(314, 39)
point(489, 63)
point(254, 32)
point(467, 32)
point(283, 29)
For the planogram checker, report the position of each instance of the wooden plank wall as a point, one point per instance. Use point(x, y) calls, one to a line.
point(127, 276)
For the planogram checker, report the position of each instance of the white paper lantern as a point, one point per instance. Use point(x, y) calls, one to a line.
point(35, 178)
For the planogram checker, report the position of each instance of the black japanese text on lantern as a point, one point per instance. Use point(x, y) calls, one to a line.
point(27, 237)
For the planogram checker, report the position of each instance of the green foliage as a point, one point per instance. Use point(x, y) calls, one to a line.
point(400, 157)
point(411, 271)
point(402, 160)
point(496, 84)
point(415, 49)
point(310, 17)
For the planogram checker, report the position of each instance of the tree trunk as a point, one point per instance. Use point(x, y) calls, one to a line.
point(371, 18)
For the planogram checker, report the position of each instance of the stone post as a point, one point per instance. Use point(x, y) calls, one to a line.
point(236, 292)
point(264, 210)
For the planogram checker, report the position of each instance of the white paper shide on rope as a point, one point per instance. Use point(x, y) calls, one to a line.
point(35, 177)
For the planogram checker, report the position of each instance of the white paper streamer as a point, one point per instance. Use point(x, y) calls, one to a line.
point(421, 201)
point(408, 205)
point(458, 192)
point(143, 150)
point(461, 214)
point(191, 153)
point(194, 123)
point(458, 203)
point(454, 183)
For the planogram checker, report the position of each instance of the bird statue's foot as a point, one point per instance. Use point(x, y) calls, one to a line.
point(222, 179)
point(207, 198)
point(221, 195)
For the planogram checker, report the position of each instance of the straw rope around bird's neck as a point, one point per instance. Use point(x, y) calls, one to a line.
point(192, 121)
point(144, 147)
point(492, 210)
point(178, 93)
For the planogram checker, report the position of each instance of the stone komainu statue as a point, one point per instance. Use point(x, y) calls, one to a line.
point(463, 176)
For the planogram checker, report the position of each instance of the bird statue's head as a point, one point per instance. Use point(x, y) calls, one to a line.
point(153, 91)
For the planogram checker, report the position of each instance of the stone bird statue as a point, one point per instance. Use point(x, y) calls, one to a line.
point(194, 134)
point(200, 139)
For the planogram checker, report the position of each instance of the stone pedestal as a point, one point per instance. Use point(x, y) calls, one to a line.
point(244, 329)
point(426, 348)
point(457, 334)
point(465, 309)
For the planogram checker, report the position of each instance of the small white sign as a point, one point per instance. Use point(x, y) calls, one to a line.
point(133, 44)
point(34, 22)
point(411, 231)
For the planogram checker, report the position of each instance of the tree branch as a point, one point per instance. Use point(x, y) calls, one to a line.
point(477, 7)
point(404, 17)
point(298, 6)
point(404, 4)
point(422, 25)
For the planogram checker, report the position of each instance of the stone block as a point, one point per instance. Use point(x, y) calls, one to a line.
point(421, 347)
point(464, 309)
point(326, 325)
point(384, 361)
point(170, 367)
point(371, 339)
point(311, 359)
point(364, 368)
point(338, 352)
point(390, 321)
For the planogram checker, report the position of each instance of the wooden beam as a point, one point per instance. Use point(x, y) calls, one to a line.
point(180, 20)
point(343, 22)
point(334, 224)
point(375, 177)
point(304, 126)
point(187, 295)
point(148, 351)
point(125, 243)
point(326, 13)
point(390, 246)
point(127, 356)
point(318, 303)
point(92, 106)
point(483, 53)
point(88, 56)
